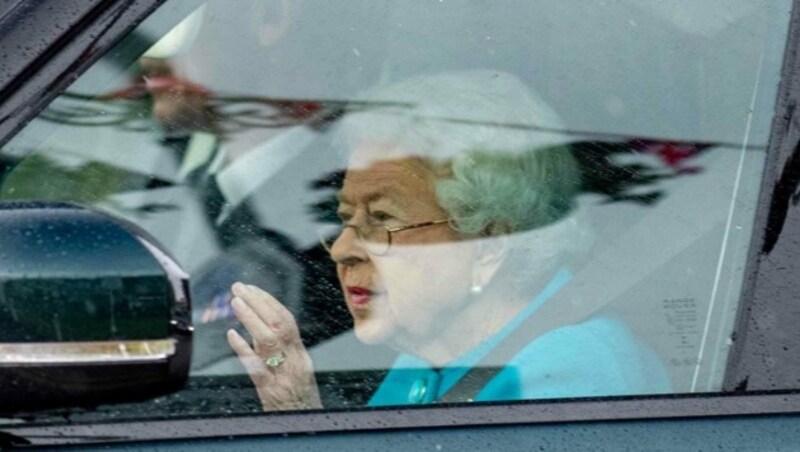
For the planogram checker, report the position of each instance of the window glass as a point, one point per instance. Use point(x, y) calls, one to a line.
point(431, 201)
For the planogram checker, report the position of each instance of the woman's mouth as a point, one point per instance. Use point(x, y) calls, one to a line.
point(359, 297)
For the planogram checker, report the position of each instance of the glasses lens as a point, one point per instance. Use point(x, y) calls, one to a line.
point(375, 240)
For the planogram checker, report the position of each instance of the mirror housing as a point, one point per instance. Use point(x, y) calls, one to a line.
point(92, 310)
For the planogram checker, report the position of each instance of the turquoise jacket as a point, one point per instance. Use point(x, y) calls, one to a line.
point(598, 357)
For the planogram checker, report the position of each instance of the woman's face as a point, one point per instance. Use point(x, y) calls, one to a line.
point(406, 295)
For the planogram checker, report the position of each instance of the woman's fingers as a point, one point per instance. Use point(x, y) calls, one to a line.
point(250, 360)
point(265, 341)
point(278, 363)
point(271, 302)
point(259, 301)
point(279, 320)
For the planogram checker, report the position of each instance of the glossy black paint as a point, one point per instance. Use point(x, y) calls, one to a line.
point(76, 275)
point(768, 319)
point(69, 274)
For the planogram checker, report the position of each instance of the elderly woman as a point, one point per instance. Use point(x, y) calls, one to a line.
point(459, 223)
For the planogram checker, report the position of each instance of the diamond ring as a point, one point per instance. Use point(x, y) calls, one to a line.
point(275, 361)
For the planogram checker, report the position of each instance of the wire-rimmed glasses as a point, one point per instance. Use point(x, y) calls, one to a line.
point(377, 239)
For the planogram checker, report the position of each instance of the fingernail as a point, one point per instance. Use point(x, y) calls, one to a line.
point(237, 303)
point(237, 288)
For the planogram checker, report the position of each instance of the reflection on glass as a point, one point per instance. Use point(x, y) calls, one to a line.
point(448, 294)
point(609, 237)
point(66, 276)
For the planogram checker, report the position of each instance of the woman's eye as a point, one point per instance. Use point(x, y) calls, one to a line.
point(380, 216)
point(344, 217)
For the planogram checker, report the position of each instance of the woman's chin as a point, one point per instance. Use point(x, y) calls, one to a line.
point(373, 331)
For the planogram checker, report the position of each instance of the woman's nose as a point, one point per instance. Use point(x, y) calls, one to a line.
point(347, 248)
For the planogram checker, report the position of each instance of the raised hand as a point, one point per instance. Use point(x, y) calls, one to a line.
point(277, 362)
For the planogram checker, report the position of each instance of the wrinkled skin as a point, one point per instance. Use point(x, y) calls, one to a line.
point(417, 295)
point(290, 386)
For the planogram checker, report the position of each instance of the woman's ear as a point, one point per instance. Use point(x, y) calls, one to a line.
point(490, 253)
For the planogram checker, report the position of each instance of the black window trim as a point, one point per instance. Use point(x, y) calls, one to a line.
point(771, 277)
point(772, 262)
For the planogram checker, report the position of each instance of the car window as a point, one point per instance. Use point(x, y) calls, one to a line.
point(403, 203)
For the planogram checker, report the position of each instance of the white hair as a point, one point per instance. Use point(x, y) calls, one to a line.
point(503, 166)
point(442, 116)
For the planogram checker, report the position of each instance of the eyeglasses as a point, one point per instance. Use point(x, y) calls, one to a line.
point(376, 238)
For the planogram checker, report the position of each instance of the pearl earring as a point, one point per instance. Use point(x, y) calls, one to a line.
point(476, 289)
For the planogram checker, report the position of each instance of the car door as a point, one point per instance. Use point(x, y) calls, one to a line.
point(215, 129)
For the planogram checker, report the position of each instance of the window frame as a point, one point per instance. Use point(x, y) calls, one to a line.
point(92, 27)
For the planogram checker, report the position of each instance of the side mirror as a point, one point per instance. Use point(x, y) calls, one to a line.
point(92, 310)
